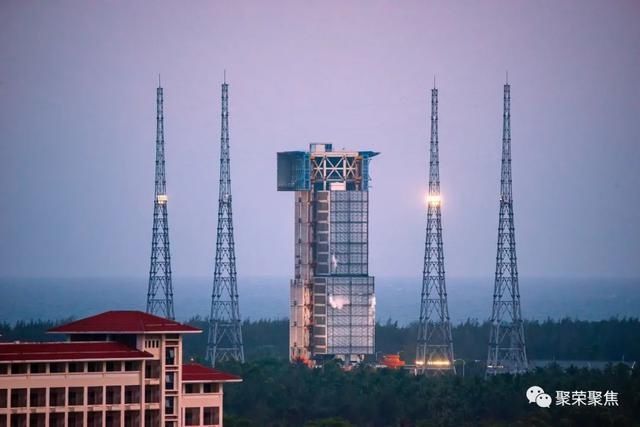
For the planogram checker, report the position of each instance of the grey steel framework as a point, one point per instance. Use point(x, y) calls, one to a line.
point(434, 352)
point(507, 353)
point(225, 330)
point(332, 295)
point(160, 291)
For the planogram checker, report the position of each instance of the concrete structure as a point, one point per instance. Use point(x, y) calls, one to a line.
point(119, 368)
point(332, 295)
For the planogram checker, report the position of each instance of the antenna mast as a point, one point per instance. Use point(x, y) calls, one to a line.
point(507, 352)
point(225, 332)
point(434, 353)
point(160, 290)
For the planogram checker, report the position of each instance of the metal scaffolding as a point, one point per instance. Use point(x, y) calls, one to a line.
point(332, 296)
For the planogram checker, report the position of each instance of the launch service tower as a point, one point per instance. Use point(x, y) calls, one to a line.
point(332, 294)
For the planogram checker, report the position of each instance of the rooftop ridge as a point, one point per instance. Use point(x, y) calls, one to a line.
point(123, 321)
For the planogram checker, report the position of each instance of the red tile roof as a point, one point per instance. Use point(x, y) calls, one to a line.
point(123, 322)
point(195, 372)
point(66, 351)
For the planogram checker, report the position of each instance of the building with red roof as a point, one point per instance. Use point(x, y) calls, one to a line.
point(118, 368)
point(124, 322)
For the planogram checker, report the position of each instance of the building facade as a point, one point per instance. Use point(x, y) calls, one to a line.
point(119, 368)
point(332, 294)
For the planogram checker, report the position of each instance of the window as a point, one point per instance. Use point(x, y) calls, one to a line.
point(4, 369)
point(132, 394)
point(112, 419)
point(75, 419)
point(94, 419)
point(114, 366)
point(132, 366)
point(3, 397)
point(192, 416)
point(152, 418)
point(76, 366)
point(19, 368)
point(169, 380)
point(56, 420)
point(18, 420)
point(19, 398)
point(170, 356)
point(152, 343)
point(191, 388)
point(152, 369)
point(38, 397)
point(113, 395)
point(56, 396)
point(38, 368)
point(169, 406)
point(212, 415)
point(131, 418)
point(152, 394)
point(76, 396)
point(57, 368)
point(211, 388)
point(94, 395)
point(94, 366)
point(37, 420)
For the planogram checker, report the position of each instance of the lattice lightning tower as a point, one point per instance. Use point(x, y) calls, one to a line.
point(434, 351)
point(160, 291)
point(225, 332)
point(507, 353)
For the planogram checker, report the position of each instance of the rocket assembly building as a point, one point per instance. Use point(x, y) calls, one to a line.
point(332, 294)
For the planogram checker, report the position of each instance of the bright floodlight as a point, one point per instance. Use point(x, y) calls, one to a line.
point(433, 199)
point(162, 198)
point(438, 362)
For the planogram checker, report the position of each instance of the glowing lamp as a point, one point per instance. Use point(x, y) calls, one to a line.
point(438, 363)
point(433, 199)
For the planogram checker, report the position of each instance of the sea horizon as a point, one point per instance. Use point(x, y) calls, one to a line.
point(397, 298)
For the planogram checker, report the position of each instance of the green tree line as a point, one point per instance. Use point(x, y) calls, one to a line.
point(275, 393)
point(567, 339)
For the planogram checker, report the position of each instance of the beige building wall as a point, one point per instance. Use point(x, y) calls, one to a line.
point(148, 379)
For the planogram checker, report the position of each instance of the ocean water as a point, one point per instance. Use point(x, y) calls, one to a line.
point(267, 298)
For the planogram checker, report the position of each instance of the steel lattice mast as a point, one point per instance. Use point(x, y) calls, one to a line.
point(507, 353)
point(434, 351)
point(160, 291)
point(225, 332)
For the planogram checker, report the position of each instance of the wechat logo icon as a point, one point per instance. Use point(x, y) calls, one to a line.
point(537, 395)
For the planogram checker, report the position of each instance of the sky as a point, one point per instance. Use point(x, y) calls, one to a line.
point(77, 129)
